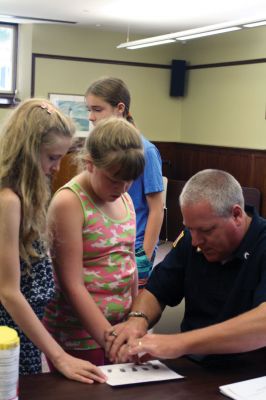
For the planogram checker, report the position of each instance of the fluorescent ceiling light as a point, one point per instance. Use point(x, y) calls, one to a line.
point(6, 16)
point(260, 23)
point(190, 34)
point(139, 46)
point(215, 32)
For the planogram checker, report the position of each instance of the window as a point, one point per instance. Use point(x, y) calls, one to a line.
point(8, 61)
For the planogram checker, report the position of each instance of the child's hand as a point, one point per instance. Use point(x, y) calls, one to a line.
point(79, 370)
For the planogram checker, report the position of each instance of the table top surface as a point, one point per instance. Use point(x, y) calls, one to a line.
point(201, 381)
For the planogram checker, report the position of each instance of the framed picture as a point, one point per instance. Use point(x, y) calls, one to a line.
point(74, 106)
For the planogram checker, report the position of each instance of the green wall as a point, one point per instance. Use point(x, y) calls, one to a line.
point(155, 112)
point(226, 105)
point(223, 105)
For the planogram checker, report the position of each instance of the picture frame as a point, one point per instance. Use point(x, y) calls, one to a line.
point(74, 106)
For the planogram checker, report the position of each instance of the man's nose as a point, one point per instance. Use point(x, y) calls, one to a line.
point(197, 238)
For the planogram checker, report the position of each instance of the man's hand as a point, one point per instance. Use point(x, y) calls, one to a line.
point(119, 337)
point(155, 346)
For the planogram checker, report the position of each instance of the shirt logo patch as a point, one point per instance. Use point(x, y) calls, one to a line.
point(179, 237)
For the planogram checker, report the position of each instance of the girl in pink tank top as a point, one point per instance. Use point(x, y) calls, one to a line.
point(92, 221)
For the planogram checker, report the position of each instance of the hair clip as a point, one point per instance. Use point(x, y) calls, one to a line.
point(47, 107)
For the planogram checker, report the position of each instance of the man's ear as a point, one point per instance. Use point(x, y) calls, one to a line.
point(237, 213)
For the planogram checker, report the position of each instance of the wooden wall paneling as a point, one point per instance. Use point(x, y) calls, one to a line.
point(259, 178)
point(168, 157)
point(236, 164)
point(182, 160)
point(175, 219)
point(252, 197)
point(68, 169)
point(248, 166)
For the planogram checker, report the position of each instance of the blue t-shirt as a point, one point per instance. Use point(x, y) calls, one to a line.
point(149, 182)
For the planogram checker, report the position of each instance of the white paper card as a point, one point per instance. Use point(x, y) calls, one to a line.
point(130, 373)
point(254, 389)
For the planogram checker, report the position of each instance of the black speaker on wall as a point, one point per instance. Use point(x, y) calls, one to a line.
point(178, 75)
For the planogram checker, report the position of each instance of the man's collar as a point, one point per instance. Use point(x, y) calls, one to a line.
point(247, 243)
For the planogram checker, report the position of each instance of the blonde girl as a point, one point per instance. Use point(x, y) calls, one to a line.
point(32, 143)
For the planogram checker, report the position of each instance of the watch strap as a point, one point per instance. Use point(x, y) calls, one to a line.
point(138, 314)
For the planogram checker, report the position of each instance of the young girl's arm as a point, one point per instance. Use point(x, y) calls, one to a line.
point(154, 222)
point(135, 283)
point(65, 219)
point(16, 304)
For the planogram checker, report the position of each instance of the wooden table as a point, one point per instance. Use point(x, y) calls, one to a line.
point(201, 382)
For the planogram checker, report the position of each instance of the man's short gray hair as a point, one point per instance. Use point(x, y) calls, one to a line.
point(219, 188)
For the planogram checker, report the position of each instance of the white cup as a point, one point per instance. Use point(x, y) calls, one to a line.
point(9, 363)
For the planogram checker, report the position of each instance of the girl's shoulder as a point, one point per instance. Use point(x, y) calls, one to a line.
point(65, 202)
point(10, 208)
point(127, 197)
point(70, 187)
point(8, 198)
point(128, 200)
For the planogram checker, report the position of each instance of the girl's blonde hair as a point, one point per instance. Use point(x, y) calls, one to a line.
point(116, 144)
point(33, 123)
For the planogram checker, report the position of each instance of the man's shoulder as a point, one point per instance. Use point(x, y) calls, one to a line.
point(254, 241)
point(259, 232)
point(258, 225)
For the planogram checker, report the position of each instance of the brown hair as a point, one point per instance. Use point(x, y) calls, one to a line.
point(113, 91)
point(115, 143)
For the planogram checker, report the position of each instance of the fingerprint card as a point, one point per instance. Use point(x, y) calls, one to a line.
point(130, 373)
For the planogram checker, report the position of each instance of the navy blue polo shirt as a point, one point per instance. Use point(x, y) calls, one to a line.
point(213, 292)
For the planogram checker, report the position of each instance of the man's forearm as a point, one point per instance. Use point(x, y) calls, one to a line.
point(243, 333)
point(240, 334)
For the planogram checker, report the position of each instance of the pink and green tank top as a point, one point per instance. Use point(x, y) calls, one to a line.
point(108, 265)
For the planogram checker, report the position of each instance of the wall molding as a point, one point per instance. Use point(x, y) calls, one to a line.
point(248, 166)
point(35, 56)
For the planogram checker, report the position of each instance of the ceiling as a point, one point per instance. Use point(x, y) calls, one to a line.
point(146, 17)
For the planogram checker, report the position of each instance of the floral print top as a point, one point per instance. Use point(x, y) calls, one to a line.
point(108, 272)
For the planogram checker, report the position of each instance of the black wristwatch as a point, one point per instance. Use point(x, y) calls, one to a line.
point(138, 314)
